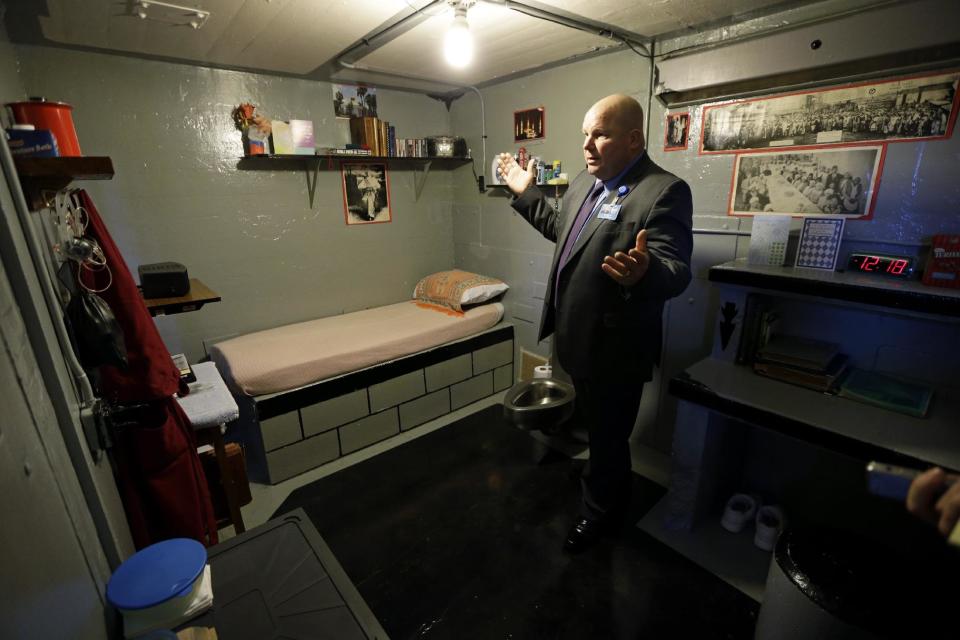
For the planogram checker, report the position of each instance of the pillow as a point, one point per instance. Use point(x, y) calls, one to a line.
point(456, 289)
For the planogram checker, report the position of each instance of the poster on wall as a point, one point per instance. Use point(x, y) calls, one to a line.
point(529, 124)
point(677, 129)
point(838, 181)
point(903, 109)
point(366, 192)
point(351, 101)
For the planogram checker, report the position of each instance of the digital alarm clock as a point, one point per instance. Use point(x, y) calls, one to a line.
point(890, 266)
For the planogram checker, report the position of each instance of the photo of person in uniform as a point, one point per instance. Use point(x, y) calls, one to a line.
point(366, 193)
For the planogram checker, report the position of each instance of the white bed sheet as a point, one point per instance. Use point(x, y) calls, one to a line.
point(299, 354)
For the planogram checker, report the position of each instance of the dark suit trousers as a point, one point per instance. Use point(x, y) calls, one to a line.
point(610, 409)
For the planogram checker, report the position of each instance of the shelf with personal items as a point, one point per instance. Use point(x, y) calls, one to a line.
point(877, 321)
point(199, 295)
point(732, 422)
point(556, 189)
point(41, 175)
point(313, 164)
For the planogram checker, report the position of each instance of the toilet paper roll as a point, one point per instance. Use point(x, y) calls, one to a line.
point(543, 371)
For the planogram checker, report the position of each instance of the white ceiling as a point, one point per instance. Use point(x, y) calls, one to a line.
point(308, 37)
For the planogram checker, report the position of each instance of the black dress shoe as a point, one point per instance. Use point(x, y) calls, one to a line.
point(582, 535)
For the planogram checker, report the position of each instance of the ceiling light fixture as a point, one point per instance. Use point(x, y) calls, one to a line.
point(458, 41)
point(173, 14)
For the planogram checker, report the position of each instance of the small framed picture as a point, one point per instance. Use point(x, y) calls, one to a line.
point(529, 124)
point(678, 126)
point(366, 192)
point(351, 101)
point(820, 242)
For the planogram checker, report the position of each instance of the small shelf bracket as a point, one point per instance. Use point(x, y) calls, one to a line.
point(419, 184)
point(312, 184)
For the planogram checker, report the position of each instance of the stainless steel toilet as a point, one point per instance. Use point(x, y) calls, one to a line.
point(541, 404)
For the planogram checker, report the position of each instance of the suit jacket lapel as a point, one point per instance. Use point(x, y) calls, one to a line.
point(630, 180)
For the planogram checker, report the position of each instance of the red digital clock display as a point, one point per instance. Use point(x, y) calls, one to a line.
point(892, 266)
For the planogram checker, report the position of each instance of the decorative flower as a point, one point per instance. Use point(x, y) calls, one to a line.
point(243, 115)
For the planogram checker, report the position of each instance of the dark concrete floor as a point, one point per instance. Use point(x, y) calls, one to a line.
point(458, 534)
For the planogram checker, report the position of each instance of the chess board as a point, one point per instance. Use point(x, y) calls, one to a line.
point(820, 243)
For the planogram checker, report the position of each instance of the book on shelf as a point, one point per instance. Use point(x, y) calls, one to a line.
point(795, 351)
point(365, 131)
point(887, 392)
point(823, 381)
point(761, 320)
point(343, 151)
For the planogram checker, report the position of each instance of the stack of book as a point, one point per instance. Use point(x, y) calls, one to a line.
point(379, 138)
point(372, 133)
point(806, 362)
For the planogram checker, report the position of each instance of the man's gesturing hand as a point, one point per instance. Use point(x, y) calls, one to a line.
point(630, 267)
point(514, 175)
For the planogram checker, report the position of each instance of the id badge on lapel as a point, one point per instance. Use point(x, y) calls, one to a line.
point(609, 212)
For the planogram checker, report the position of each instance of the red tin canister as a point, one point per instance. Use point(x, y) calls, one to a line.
point(52, 116)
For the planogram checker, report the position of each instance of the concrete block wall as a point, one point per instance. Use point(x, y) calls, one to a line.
point(306, 438)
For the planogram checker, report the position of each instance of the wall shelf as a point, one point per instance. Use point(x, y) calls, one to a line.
point(53, 174)
point(557, 188)
point(313, 164)
point(198, 296)
point(909, 295)
point(854, 428)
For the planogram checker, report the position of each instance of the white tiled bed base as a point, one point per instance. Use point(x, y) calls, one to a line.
point(301, 440)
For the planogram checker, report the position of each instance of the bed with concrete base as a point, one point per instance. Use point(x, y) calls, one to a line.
point(290, 431)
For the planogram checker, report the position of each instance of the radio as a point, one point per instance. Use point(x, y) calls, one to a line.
point(163, 280)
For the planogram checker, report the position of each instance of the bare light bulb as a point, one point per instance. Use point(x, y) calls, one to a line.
point(458, 42)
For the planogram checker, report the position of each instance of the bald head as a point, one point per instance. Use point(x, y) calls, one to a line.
point(624, 110)
point(613, 135)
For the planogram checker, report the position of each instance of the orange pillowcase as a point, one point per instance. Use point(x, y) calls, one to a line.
point(456, 289)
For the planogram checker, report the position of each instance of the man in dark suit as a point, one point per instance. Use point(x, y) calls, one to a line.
point(624, 239)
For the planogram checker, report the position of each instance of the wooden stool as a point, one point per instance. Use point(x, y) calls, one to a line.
point(210, 406)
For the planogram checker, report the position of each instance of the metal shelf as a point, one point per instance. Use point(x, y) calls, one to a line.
point(312, 164)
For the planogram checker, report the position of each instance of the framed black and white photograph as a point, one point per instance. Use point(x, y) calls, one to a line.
point(902, 109)
point(529, 124)
point(351, 101)
point(838, 181)
point(366, 193)
point(677, 130)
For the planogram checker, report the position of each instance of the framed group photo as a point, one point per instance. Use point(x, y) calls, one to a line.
point(902, 109)
point(838, 181)
point(366, 192)
point(529, 124)
point(677, 129)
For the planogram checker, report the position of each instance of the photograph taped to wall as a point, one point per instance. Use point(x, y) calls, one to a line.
point(366, 193)
point(529, 124)
point(903, 109)
point(838, 181)
point(351, 101)
point(677, 129)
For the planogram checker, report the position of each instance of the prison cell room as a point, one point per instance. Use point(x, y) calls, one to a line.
point(428, 319)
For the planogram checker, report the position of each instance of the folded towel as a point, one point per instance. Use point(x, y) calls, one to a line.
point(209, 402)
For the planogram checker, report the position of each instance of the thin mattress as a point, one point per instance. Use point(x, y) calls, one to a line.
point(299, 354)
